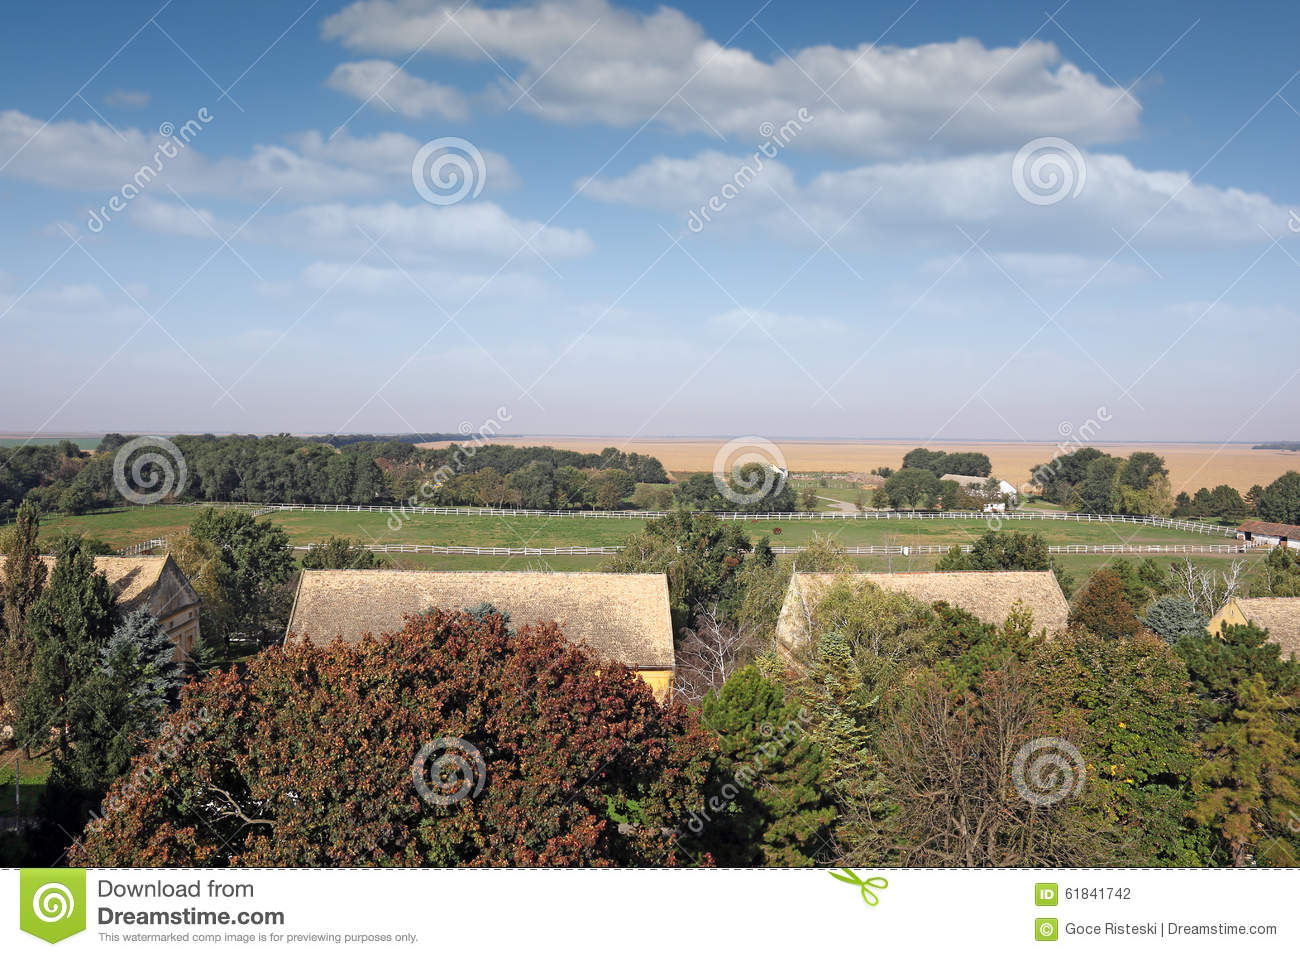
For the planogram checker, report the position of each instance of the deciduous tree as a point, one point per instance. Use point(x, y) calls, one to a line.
point(306, 760)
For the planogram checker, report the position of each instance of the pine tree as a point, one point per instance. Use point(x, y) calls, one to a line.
point(776, 813)
point(1250, 785)
point(1215, 664)
point(842, 718)
point(20, 586)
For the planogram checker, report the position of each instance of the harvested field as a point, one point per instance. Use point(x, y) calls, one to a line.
point(1191, 466)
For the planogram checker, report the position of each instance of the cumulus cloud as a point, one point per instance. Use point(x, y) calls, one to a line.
point(416, 234)
point(87, 155)
point(386, 85)
point(922, 199)
point(587, 60)
point(423, 232)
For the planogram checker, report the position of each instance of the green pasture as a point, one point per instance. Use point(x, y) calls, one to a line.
point(126, 526)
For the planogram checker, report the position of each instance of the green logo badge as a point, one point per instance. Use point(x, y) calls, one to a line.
point(1045, 929)
point(52, 902)
point(1046, 895)
point(865, 885)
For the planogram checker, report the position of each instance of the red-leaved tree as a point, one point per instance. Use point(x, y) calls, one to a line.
point(307, 760)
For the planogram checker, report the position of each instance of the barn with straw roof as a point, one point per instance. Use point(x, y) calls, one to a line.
point(156, 583)
point(989, 596)
point(1281, 616)
point(624, 618)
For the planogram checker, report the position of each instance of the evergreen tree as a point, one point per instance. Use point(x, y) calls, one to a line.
point(70, 624)
point(137, 681)
point(842, 718)
point(1250, 785)
point(1216, 663)
point(1173, 616)
point(777, 814)
point(20, 586)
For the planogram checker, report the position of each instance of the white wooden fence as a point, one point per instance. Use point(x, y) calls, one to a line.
point(507, 551)
point(406, 511)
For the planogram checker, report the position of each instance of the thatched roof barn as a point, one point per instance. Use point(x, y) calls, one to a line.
point(1281, 616)
point(989, 596)
point(624, 618)
point(154, 582)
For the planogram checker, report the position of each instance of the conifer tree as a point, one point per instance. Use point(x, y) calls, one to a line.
point(777, 814)
point(69, 625)
point(1249, 787)
point(20, 586)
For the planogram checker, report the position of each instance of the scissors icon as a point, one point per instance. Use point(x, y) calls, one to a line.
point(868, 895)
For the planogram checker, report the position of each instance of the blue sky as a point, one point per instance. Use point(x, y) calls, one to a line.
point(886, 270)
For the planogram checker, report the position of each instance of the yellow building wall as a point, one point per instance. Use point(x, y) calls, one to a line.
point(183, 629)
point(1229, 614)
point(660, 682)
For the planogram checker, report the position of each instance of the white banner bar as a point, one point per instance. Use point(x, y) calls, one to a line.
point(651, 912)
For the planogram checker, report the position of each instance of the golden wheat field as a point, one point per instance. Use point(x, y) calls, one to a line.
point(1191, 466)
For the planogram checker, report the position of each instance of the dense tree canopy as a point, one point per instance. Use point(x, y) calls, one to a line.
point(307, 760)
point(1280, 501)
point(359, 471)
point(949, 463)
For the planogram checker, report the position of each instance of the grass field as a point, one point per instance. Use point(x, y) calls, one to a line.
point(122, 527)
point(29, 774)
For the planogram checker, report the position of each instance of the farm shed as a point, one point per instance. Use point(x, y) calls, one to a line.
point(622, 618)
point(157, 584)
point(966, 481)
point(989, 596)
point(1270, 533)
point(1281, 616)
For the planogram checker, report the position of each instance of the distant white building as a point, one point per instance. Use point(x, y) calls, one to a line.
point(975, 485)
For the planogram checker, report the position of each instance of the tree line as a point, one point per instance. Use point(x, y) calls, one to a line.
point(285, 468)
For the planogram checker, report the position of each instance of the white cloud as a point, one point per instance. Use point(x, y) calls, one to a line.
point(128, 99)
point(587, 60)
point(386, 85)
point(421, 232)
point(72, 154)
point(922, 200)
point(174, 219)
point(414, 234)
point(388, 155)
point(450, 288)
